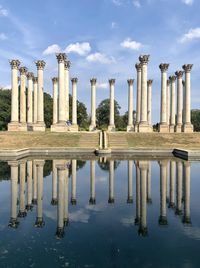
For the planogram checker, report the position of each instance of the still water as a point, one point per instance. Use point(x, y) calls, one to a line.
point(99, 213)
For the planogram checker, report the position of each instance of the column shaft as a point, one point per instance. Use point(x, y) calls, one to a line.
point(93, 104)
point(112, 105)
point(55, 100)
point(138, 67)
point(149, 100)
point(179, 122)
point(14, 91)
point(172, 104)
point(35, 108)
point(74, 101)
point(130, 105)
point(30, 97)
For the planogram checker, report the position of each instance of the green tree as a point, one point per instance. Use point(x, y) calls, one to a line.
point(48, 110)
point(5, 108)
point(195, 119)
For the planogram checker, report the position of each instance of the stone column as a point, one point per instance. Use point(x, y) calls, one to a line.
point(179, 75)
point(29, 205)
point(54, 200)
point(111, 126)
point(179, 187)
point(137, 218)
point(61, 57)
point(66, 195)
point(130, 182)
point(149, 100)
point(168, 102)
point(67, 67)
point(22, 210)
point(23, 124)
point(163, 193)
point(30, 77)
point(39, 223)
point(172, 184)
point(143, 125)
point(143, 165)
point(55, 100)
point(186, 216)
point(14, 124)
point(163, 127)
point(187, 127)
point(35, 91)
point(74, 126)
point(130, 126)
point(149, 200)
point(40, 125)
point(14, 191)
point(92, 200)
point(34, 201)
point(73, 185)
point(93, 104)
point(172, 80)
point(111, 199)
point(138, 67)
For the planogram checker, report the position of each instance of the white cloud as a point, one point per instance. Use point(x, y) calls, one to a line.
point(81, 49)
point(117, 2)
point(52, 49)
point(3, 36)
point(192, 34)
point(3, 12)
point(131, 44)
point(188, 2)
point(113, 25)
point(137, 3)
point(103, 86)
point(101, 58)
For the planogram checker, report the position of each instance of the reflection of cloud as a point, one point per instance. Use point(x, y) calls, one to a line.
point(101, 178)
point(99, 207)
point(80, 215)
point(127, 221)
point(192, 232)
point(51, 214)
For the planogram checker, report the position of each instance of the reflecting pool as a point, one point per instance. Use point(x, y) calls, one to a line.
point(99, 213)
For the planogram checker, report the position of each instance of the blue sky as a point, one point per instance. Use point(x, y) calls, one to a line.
point(103, 39)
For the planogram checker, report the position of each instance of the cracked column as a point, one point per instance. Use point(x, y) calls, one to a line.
point(92, 126)
point(29, 205)
point(163, 193)
point(92, 200)
point(179, 122)
point(111, 126)
point(67, 67)
point(23, 124)
point(14, 124)
point(138, 67)
point(74, 126)
point(111, 198)
point(130, 182)
point(40, 125)
point(186, 216)
point(163, 127)
point(73, 185)
point(30, 77)
point(149, 100)
point(55, 100)
point(35, 91)
point(187, 126)
point(172, 80)
point(143, 125)
point(130, 126)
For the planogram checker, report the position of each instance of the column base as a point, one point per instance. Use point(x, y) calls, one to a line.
point(30, 126)
point(92, 201)
point(171, 128)
point(73, 128)
point(171, 205)
point(111, 128)
point(130, 128)
point(143, 231)
point(149, 200)
point(145, 128)
point(29, 207)
point(92, 128)
point(59, 127)
point(60, 232)
point(73, 201)
point(54, 201)
point(39, 127)
point(178, 211)
point(136, 127)
point(39, 223)
point(13, 126)
point(178, 128)
point(22, 214)
point(188, 128)
point(137, 221)
point(163, 220)
point(23, 127)
point(163, 128)
point(111, 200)
point(13, 223)
point(66, 221)
point(129, 200)
point(186, 220)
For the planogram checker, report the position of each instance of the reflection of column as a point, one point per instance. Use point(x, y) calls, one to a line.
point(172, 184)
point(186, 216)
point(179, 75)
point(14, 181)
point(163, 178)
point(130, 105)
point(137, 218)
point(22, 210)
point(93, 104)
point(138, 67)
point(34, 201)
point(179, 183)
point(29, 205)
point(167, 183)
point(92, 200)
point(111, 182)
point(60, 208)
point(54, 200)
point(143, 165)
point(73, 197)
point(149, 200)
point(39, 220)
point(66, 194)
point(130, 182)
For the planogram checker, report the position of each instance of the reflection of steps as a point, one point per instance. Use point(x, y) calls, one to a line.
point(89, 140)
point(117, 140)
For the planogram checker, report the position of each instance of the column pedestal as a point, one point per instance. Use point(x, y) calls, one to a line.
point(178, 128)
point(163, 128)
point(171, 128)
point(13, 126)
point(188, 128)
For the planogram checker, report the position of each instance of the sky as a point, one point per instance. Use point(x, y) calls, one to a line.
point(102, 39)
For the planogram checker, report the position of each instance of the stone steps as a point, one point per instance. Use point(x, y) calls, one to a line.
point(90, 141)
point(117, 141)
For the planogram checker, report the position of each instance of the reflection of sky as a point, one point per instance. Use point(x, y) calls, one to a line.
point(102, 235)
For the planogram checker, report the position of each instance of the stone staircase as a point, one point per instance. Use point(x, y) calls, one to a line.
point(89, 140)
point(117, 140)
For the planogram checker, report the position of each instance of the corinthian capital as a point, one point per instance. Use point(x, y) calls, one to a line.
point(172, 78)
point(93, 81)
point(144, 59)
point(187, 67)
point(61, 57)
point(67, 65)
point(149, 82)
point(35, 80)
point(111, 81)
point(74, 80)
point(14, 64)
point(164, 67)
point(138, 67)
point(40, 64)
point(23, 70)
point(30, 75)
point(179, 74)
point(130, 82)
point(55, 80)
